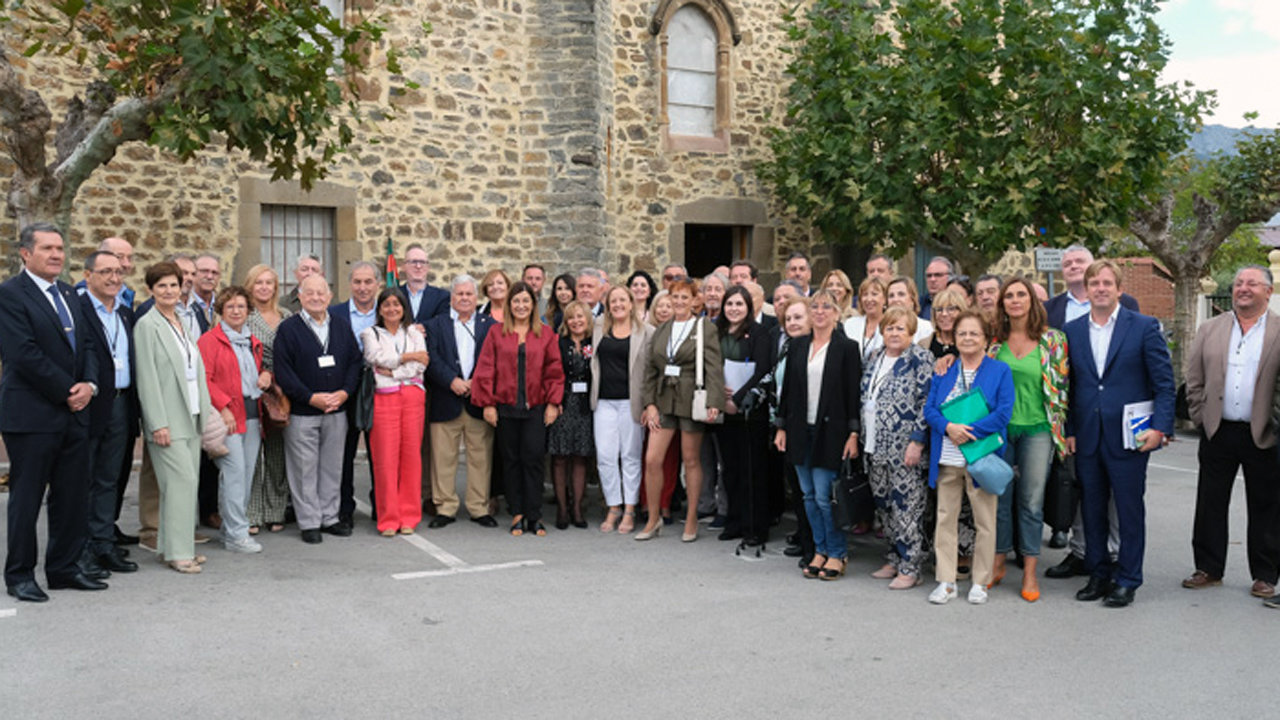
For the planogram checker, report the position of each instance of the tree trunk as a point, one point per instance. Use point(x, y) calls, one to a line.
point(1186, 290)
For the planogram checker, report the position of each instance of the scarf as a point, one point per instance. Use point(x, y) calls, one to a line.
point(242, 344)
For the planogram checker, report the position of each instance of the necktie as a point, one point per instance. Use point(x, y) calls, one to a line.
point(63, 315)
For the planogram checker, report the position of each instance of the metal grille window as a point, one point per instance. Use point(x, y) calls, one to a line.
point(292, 231)
point(691, 73)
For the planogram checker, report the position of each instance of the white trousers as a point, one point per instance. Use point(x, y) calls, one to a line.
point(619, 441)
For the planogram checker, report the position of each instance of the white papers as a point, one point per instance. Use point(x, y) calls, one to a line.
point(737, 374)
point(1136, 419)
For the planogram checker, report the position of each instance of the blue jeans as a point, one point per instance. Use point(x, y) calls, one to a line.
point(1031, 455)
point(815, 486)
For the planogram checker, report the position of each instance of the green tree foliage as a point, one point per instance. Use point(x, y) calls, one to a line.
point(972, 124)
point(277, 79)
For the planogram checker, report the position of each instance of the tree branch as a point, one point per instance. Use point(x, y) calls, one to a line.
point(25, 120)
point(126, 121)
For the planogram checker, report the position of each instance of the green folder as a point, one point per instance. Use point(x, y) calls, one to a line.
point(968, 409)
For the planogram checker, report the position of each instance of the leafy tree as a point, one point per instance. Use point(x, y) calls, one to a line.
point(277, 79)
point(973, 125)
point(1200, 207)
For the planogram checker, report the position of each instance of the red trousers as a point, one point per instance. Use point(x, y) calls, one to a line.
point(397, 456)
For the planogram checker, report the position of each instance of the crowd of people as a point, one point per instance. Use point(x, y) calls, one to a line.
point(954, 405)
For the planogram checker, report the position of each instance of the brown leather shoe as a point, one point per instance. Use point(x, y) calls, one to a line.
point(1200, 580)
point(1262, 589)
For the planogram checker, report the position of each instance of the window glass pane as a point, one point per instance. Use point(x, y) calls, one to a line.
point(289, 232)
point(691, 72)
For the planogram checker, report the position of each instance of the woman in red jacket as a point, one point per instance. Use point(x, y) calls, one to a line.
point(233, 367)
point(519, 382)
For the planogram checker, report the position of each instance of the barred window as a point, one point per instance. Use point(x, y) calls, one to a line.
point(293, 231)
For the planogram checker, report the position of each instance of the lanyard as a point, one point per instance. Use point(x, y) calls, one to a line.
point(182, 340)
point(877, 380)
point(463, 324)
point(114, 338)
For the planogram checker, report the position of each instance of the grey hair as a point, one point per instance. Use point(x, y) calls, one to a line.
point(717, 276)
point(1266, 272)
point(175, 257)
point(593, 273)
point(464, 279)
point(1078, 248)
point(91, 262)
point(309, 256)
point(359, 265)
point(791, 283)
point(210, 256)
point(27, 238)
point(677, 266)
point(951, 268)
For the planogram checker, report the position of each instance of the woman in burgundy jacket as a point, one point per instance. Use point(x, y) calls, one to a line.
point(233, 367)
point(519, 382)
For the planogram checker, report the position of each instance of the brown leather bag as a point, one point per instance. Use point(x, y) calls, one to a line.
point(276, 408)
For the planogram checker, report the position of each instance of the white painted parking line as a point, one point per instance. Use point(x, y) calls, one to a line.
point(454, 564)
point(8, 612)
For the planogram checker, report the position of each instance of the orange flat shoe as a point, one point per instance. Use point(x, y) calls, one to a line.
point(1031, 595)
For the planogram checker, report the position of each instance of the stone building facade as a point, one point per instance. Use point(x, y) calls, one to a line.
point(542, 130)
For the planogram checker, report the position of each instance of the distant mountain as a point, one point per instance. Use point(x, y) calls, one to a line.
point(1214, 139)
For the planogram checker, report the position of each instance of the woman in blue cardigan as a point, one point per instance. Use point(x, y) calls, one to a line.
point(947, 467)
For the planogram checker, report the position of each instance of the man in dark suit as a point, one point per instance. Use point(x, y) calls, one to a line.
point(49, 366)
point(1231, 380)
point(1118, 357)
point(360, 312)
point(1061, 309)
point(114, 412)
point(425, 303)
point(453, 343)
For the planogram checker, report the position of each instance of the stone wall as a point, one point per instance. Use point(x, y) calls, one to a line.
point(534, 137)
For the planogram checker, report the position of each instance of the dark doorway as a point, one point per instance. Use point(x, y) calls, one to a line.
point(707, 246)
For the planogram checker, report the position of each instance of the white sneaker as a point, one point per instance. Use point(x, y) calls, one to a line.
point(941, 594)
point(244, 545)
point(977, 594)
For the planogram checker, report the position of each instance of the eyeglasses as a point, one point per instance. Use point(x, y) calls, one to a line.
point(415, 263)
point(110, 272)
point(671, 278)
point(935, 275)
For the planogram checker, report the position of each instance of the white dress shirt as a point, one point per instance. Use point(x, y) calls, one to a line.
point(464, 335)
point(1243, 355)
point(1100, 339)
point(44, 286)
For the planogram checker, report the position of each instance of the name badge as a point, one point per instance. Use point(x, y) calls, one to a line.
point(578, 387)
point(325, 361)
point(119, 363)
point(673, 371)
point(191, 372)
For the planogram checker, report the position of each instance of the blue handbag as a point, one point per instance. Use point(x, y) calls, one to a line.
point(991, 473)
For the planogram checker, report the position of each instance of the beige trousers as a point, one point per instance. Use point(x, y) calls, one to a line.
point(478, 438)
point(953, 482)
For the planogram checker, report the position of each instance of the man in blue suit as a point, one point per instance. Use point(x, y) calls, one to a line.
point(453, 343)
point(425, 301)
point(114, 412)
point(48, 381)
point(1117, 357)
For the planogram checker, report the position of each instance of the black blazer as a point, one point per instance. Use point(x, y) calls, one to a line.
point(769, 322)
point(445, 366)
point(839, 405)
point(1056, 308)
point(100, 406)
point(756, 345)
point(435, 302)
point(39, 365)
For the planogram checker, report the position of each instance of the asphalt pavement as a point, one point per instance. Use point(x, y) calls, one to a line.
point(467, 622)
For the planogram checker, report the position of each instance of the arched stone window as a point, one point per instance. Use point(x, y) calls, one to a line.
point(694, 40)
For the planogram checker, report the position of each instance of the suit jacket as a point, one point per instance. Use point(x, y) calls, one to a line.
point(1206, 374)
point(149, 303)
point(1137, 369)
point(674, 396)
point(162, 381)
point(839, 402)
point(1056, 308)
point(445, 366)
point(754, 346)
point(995, 381)
point(638, 351)
point(39, 366)
point(435, 302)
point(100, 406)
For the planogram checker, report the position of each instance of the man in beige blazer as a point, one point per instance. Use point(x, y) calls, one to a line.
point(1231, 381)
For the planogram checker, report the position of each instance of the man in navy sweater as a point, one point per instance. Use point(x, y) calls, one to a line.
point(317, 364)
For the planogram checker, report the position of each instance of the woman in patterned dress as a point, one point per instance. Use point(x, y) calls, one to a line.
point(569, 439)
point(270, 492)
point(895, 385)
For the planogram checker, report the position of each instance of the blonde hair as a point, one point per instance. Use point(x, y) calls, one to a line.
point(577, 306)
point(488, 280)
point(251, 277)
point(635, 308)
point(846, 305)
point(662, 294)
point(911, 288)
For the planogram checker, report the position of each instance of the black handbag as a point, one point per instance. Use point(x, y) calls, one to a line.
point(850, 494)
point(364, 400)
point(1061, 494)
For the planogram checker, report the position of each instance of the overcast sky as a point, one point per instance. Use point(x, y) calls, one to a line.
point(1232, 46)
